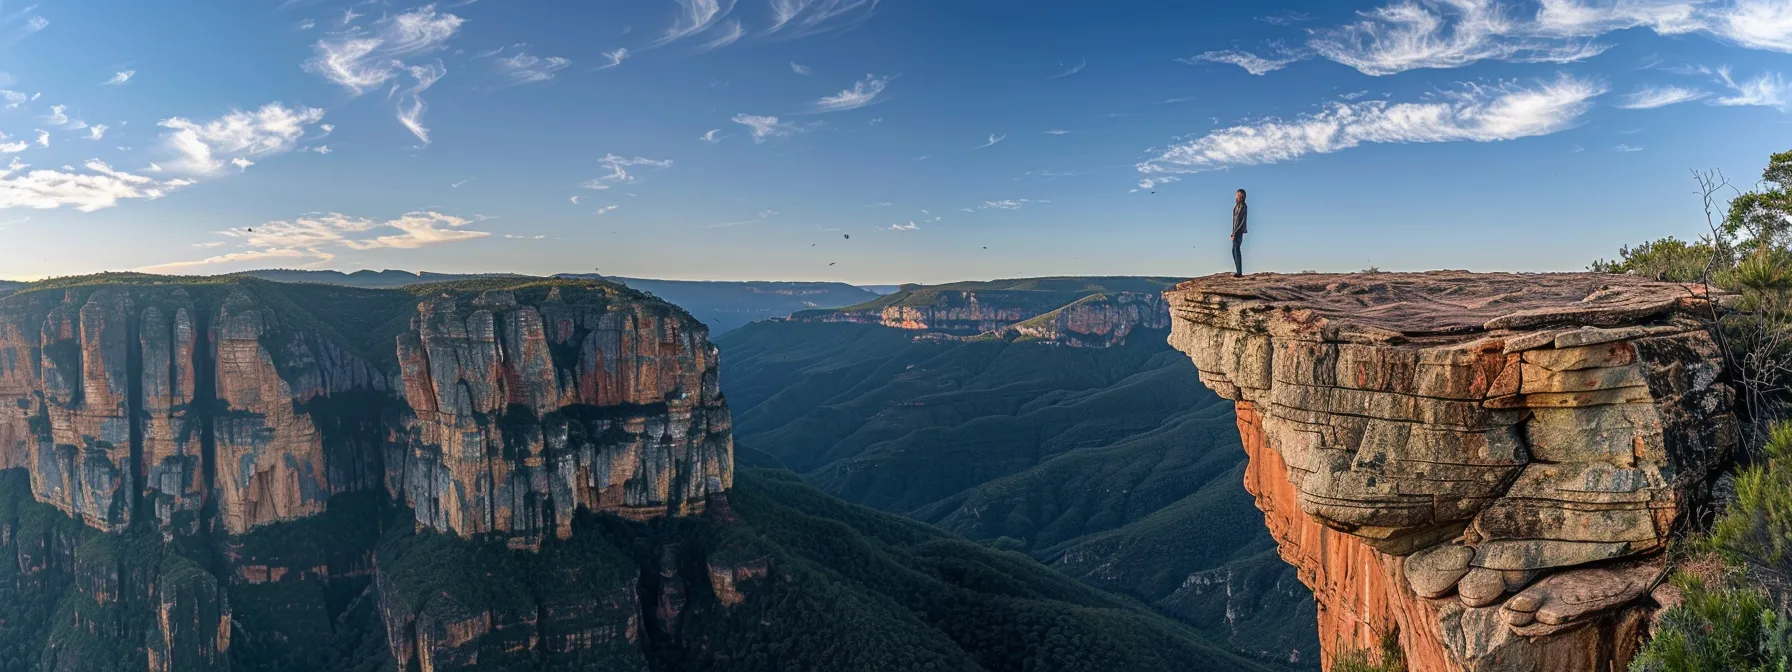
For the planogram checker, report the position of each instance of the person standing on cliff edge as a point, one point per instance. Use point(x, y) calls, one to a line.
point(1240, 212)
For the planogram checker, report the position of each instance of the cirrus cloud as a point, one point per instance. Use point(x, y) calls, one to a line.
point(319, 237)
point(1474, 113)
point(863, 92)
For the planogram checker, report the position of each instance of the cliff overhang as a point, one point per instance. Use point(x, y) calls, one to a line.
point(1487, 467)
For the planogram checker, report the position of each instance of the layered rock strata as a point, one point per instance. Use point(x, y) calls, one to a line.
point(487, 412)
point(1088, 319)
point(1484, 466)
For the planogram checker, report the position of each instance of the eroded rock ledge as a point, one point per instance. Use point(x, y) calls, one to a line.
point(1487, 466)
point(488, 410)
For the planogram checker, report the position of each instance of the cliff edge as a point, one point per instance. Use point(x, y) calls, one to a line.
point(1485, 468)
point(489, 407)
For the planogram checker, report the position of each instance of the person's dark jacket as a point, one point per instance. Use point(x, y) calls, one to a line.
point(1239, 213)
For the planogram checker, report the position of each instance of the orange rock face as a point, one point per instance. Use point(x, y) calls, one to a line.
point(1363, 598)
point(491, 412)
point(1484, 469)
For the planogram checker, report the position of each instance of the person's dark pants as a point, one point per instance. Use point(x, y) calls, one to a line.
point(1238, 255)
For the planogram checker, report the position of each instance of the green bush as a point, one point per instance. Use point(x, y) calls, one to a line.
point(1669, 259)
point(1359, 660)
point(1731, 623)
point(1728, 627)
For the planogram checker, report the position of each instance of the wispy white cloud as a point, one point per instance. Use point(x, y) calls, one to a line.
point(43, 137)
point(120, 78)
point(1252, 63)
point(57, 115)
point(880, 204)
point(1008, 204)
point(318, 149)
point(607, 209)
point(1768, 90)
point(863, 92)
point(1286, 17)
point(411, 105)
point(362, 60)
point(1473, 113)
point(993, 139)
point(620, 173)
point(615, 57)
point(763, 127)
point(730, 32)
point(911, 226)
point(797, 18)
point(96, 131)
point(1628, 148)
point(1057, 131)
point(712, 136)
point(410, 115)
point(763, 215)
point(18, 25)
point(1079, 67)
point(12, 100)
point(695, 16)
point(523, 68)
point(306, 24)
point(13, 147)
point(574, 200)
point(1651, 97)
point(1411, 34)
point(1755, 24)
point(320, 237)
point(95, 186)
point(460, 184)
point(800, 69)
point(204, 148)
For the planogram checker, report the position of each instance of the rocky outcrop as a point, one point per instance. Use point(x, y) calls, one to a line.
point(498, 411)
point(1099, 320)
point(1094, 312)
point(1485, 466)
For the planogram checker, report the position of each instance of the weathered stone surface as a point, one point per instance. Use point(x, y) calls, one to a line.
point(497, 414)
point(1498, 431)
point(1095, 320)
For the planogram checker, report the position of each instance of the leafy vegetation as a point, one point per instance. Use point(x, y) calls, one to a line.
point(1669, 259)
point(1114, 465)
point(1389, 658)
point(1733, 610)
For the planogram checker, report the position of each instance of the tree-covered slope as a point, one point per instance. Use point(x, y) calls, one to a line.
point(778, 577)
point(1114, 465)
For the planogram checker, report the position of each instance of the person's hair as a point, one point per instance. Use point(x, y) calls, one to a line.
point(1241, 191)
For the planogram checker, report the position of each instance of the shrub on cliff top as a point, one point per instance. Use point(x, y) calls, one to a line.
point(1669, 259)
point(1730, 622)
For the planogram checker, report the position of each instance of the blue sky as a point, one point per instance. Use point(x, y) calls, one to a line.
point(704, 139)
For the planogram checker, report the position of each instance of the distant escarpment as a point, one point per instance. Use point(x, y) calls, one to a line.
point(1486, 468)
point(1073, 434)
point(1083, 312)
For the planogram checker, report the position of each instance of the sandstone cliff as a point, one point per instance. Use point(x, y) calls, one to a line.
point(168, 416)
point(1078, 312)
point(493, 411)
point(1485, 467)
